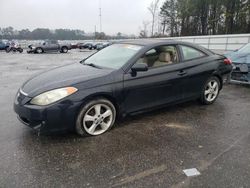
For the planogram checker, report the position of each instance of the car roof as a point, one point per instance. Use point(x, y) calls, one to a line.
point(156, 42)
point(147, 42)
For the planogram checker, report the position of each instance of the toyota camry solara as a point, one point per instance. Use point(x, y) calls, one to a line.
point(124, 78)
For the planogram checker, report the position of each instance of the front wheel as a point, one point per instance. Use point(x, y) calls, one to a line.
point(210, 90)
point(95, 118)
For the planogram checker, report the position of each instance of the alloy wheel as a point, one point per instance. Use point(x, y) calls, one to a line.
point(211, 91)
point(98, 119)
point(39, 50)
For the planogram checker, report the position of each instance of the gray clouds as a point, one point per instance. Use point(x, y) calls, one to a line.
point(117, 15)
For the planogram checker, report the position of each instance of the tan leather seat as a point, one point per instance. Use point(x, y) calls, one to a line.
point(164, 59)
point(142, 60)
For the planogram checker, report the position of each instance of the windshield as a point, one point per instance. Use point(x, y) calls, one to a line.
point(114, 56)
point(245, 49)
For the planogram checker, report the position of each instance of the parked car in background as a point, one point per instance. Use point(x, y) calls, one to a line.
point(99, 46)
point(14, 47)
point(87, 45)
point(96, 45)
point(49, 46)
point(74, 45)
point(241, 64)
point(4, 45)
point(124, 78)
point(103, 45)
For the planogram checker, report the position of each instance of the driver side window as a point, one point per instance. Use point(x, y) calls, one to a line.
point(160, 56)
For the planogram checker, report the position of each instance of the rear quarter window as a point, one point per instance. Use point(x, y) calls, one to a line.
point(191, 53)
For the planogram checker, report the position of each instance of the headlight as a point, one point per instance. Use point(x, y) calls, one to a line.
point(52, 96)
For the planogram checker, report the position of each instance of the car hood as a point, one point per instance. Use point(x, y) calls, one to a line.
point(238, 57)
point(62, 77)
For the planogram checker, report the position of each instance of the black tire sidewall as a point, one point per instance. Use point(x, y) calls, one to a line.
point(202, 97)
point(79, 121)
point(20, 50)
point(8, 50)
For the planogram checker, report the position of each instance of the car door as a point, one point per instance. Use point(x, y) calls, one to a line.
point(157, 86)
point(196, 70)
point(46, 46)
point(54, 46)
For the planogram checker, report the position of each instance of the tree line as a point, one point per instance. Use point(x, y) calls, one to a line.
point(57, 34)
point(200, 17)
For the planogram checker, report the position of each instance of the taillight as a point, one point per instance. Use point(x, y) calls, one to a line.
point(227, 61)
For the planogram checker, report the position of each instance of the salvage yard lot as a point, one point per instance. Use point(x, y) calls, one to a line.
point(147, 150)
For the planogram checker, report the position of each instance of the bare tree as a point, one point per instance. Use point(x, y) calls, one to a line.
point(153, 10)
point(144, 29)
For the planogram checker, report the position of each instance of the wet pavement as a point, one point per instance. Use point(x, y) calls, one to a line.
point(147, 150)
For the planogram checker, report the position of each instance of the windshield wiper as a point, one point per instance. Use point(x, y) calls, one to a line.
point(92, 65)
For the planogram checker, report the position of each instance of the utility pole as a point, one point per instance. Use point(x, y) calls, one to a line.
point(100, 15)
point(95, 33)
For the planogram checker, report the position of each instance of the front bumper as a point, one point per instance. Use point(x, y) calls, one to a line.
point(56, 117)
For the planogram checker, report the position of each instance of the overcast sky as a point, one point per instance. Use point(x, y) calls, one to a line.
point(124, 16)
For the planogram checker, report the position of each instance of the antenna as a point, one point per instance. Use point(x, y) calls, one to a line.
point(100, 15)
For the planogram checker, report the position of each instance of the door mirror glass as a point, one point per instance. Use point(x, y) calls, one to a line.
point(139, 67)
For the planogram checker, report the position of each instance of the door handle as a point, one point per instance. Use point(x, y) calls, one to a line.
point(182, 72)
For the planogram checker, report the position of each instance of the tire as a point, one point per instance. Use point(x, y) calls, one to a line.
point(20, 50)
point(39, 50)
point(92, 123)
point(8, 50)
point(210, 91)
point(64, 49)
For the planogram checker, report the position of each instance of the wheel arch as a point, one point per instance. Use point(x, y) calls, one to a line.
point(64, 46)
point(220, 79)
point(106, 96)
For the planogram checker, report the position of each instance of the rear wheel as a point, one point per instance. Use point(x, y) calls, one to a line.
point(8, 49)
point(210, 90)
point(64, 49)
point(20, 50)
point(39, 50)
point(95, 118)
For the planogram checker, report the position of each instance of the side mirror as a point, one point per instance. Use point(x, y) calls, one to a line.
point(139, 67)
